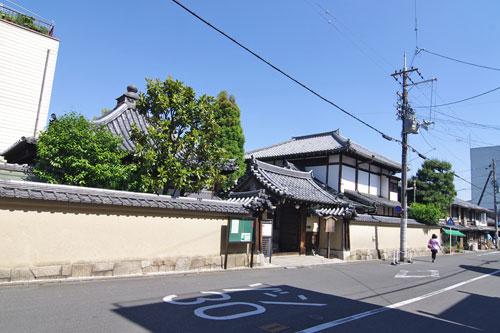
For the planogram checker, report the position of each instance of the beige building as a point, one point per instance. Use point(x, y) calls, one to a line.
point(28, 55)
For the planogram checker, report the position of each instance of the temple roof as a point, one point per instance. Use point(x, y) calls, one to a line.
point(288, 184)
point(469, 205)
point(370, 199)
point(320, 144)
point(120, 120)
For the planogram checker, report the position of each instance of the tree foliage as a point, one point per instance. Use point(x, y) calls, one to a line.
point(179, 150)
point(428, 214)
point(231, 138)
point(74, 152)
point(435, 184)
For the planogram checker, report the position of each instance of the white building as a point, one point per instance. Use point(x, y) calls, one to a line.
point(28, 55)
point(480, 164)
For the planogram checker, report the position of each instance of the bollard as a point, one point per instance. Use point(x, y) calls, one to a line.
point(410, 256)
point(395, 258)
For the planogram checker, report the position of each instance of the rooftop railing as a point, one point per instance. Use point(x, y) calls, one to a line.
point(11, 15)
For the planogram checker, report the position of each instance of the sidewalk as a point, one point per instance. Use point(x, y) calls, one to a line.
point(294, 261)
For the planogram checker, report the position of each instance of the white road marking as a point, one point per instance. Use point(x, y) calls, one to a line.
point(389, 307)
point(429, 273)
point(200, 312)
point(302, 297)
point(199, 300)
point(284, 292)
point(255, 285)
point(485, 254)
point(255, 289)
point(292, 303)
point(269, 294)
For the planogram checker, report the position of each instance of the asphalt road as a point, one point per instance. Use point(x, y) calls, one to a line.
point(459, 293)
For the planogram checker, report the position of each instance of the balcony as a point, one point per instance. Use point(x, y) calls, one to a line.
point(26, 21)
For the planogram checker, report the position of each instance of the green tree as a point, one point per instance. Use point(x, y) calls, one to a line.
point(74, 152)
point(178, 151)
point(231, 139)
point(428, 214)
point(435, 184)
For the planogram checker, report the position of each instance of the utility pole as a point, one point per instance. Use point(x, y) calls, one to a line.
point(410, 126)
point(495, 209)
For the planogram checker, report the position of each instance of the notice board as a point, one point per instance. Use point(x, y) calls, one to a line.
point(240, 231)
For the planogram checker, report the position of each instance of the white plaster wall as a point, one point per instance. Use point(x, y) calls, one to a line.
point(348, 178)
point(374, 184)
point(333, 176)
point(364, 236)
point(23, 54)
point(363, 179)
point(384, 187)
point(31, 238)
point(319, 172)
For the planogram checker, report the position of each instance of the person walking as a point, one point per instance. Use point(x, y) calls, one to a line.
point(434, 246)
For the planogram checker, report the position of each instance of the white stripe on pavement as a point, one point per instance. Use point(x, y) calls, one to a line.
point(389, 307)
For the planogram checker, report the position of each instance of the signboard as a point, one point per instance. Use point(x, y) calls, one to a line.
point(450, 222)
point(240, 231)
point(398, 209)
point(330, 224)
point(267, 229)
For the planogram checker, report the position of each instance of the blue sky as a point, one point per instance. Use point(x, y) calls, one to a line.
point(107, 45)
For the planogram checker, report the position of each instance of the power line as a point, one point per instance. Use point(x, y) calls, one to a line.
point(385, 136)
point(460, 101)
point(461, 61)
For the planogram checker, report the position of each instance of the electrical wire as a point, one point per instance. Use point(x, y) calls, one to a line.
point(460, 101)
point(460, 61)
point(385, 136)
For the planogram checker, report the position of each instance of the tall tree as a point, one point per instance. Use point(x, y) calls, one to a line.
point(231, 138)
point(435, 184)
point(178, 150)
point(74, 152)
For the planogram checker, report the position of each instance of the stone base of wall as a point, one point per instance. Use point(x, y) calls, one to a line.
point(386, 254)
point(125, 268)
point(370, 254)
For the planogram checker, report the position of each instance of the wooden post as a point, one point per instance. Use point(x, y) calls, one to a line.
point(227, 243)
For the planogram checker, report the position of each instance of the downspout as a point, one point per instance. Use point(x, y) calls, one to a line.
point(41, 93)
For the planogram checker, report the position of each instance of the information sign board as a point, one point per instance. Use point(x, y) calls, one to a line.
point(240, 231)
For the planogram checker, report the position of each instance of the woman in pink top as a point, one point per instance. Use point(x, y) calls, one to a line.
point(434, 246)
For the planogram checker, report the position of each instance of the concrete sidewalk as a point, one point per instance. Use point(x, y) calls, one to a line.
point(294, 261)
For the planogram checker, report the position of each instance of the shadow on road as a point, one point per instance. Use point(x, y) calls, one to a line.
point(281, 308)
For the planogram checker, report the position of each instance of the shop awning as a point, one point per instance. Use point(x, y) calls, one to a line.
point(453, 233)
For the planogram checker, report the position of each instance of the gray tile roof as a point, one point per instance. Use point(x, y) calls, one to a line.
point(292, 184)
point(469, 205)
point(120, 120)
point(86, 195)
point(320, 144)
point(370, 199)
point(385, 219)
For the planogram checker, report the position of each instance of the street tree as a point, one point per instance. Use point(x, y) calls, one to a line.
point(231, 138)
point(434, 184)
point(74, 152)
point(178, 151)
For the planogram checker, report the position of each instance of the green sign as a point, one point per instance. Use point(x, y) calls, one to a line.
point(240, 231)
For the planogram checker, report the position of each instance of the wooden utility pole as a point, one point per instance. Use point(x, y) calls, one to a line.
point(410, 126)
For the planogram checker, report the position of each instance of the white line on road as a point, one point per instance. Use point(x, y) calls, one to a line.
point(485, 254)
point(269, 294)
point(389, 307)
point(428, 273)
point(292, 303)
point(302, 297)
point(255, 285)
